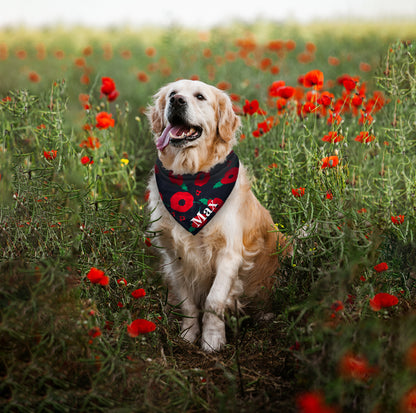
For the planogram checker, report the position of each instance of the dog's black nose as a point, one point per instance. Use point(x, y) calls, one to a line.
point(177, 100)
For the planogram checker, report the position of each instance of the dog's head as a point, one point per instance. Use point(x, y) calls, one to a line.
point(194, 125)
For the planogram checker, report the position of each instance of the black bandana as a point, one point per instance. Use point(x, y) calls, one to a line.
point(193, 200)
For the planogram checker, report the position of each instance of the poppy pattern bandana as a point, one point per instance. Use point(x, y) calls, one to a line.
point(194, 199)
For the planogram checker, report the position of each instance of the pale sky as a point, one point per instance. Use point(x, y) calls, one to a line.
point(193, 13)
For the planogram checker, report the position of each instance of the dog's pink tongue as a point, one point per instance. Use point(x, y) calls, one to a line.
point(164, 138)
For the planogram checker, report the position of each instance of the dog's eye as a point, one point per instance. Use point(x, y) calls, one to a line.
point(200, 97)
point(172, 93)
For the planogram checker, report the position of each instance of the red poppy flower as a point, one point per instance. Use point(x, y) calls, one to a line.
point(383, 300)
point(265, 63)
point(94, 332)
point(97, 276)
point(298, 192)
point(262, 128)
point(202, 178)
point(313, 402)
point(281, 104)
point(122, 281)
point(50, 154)
point(142, 77)
point(285, 92)
point(408, 401)
point(365, 118)
point(34, 77)
point(86, 160)
point(329, 162)
point(310, 47)
point(376, 103)
point(364, 137)
point(140, 326)
point(230, 176)
point(357, 100)
point(307, 108)
point(329, 195)
point(349, 82)
point(365, 67)
point(337, 306)
point(275, 45)
point(104, 120)
point(397, 220)
point(333, 137)
point(290, 45)
point(224, 85)
point(91, 143)
point(411, 357)
point(355, 367)
point(325, 99)
point(314, 78)
point(250, 108)
point(108, 85)
point(334, 117)
point(150, 51)
point(84, 100)
point(140, 292)
point(274, 88)
point(85, 79)
point(381, 267)
point(181, 201)
point(113, 96)
point(333, 61)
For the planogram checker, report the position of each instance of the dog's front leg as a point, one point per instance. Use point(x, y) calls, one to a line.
point(213, 334)
point(184, 297)
point(190, 323)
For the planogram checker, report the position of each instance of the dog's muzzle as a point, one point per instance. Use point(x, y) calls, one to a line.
point(177, 110)
point(179, 132)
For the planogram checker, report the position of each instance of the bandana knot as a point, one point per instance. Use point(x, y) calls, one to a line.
point(194, 199)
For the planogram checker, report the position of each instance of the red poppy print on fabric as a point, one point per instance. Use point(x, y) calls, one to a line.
point(230, 176)
point(201, 179)
point(176, 179)
point(181, 201)
point(200, 195)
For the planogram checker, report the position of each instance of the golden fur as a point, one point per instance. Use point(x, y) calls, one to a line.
point(234, 255)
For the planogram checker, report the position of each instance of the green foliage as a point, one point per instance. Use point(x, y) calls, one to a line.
point(72, 199)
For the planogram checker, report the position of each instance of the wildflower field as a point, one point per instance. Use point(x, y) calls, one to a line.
point(329, 136)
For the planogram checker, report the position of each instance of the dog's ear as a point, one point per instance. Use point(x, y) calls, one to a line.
point(155, 113)
point(228, 121)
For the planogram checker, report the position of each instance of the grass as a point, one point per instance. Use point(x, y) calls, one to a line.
point(64, 340)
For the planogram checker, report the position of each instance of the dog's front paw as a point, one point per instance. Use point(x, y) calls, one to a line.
point(213, 335)
point(190, 330)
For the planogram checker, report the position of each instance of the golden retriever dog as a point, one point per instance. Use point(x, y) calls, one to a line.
point(217, 243)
